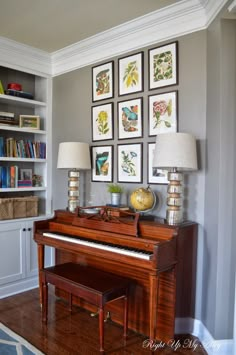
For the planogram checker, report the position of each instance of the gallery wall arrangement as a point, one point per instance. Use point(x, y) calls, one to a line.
point(162, 114)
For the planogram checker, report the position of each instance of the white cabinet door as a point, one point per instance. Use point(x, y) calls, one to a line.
point(32, 253)
point(12, 252)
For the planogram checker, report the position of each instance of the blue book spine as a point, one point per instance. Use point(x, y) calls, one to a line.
point(4, 177)
point(1, 147)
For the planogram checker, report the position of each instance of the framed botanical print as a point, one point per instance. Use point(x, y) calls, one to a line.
point(155, 175)
point(163, 113)
point(130, 119)
point(102, 163)
point(102, 122)
point(103, 81)
point(130, 162)
point(163, 66)
point(130, 73)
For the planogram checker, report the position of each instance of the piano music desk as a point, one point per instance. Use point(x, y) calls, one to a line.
point(95, 286)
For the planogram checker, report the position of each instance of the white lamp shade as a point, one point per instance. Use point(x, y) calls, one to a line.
point(175, 150)
point(74, 155)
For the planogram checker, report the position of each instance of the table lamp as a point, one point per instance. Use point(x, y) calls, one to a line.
point(175, 152)
point(74, 156)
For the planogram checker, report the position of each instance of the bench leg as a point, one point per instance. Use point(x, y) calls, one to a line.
point(45, 302)
point(125, 316)
point(101, 329)
point(70, 302)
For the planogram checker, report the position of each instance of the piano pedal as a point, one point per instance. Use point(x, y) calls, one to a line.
point(107, 318)
point(94, 314)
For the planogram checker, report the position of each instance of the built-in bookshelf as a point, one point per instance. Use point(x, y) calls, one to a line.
point(25, 149)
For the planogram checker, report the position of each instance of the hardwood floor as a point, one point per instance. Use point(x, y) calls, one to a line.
point(77, 333)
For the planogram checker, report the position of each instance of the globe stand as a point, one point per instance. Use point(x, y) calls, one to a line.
point(144, 214)
point(146, 217)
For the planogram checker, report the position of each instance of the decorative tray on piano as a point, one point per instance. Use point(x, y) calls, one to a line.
point(108, 219)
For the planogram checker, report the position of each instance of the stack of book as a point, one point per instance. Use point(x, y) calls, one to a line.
point(22, 94)
point(8, 118)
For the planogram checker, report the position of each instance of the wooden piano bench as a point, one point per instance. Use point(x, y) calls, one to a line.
point(94, 286)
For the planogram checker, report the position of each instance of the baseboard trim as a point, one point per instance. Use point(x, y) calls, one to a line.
point(197, 328)
point(18, 287)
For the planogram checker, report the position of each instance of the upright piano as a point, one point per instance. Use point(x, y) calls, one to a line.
point(160, 260)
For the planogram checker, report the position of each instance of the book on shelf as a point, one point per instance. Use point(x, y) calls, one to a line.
point(4, 177)
point(8, 176)
point(1, 88)
point(12, 148)
point(17, 93)
point(8, 115)
point(24, 183)
point(2, 150)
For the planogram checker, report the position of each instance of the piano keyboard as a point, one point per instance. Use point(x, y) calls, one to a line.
point(137, 253)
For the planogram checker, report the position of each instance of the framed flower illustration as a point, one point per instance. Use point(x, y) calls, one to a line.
point(163, 112)
point(130, 162)
point(130, 75)
point(103, 81)
point(130, 119)
point(102, 163)
point(102, 122)
point(155, 175)
point(163, 66)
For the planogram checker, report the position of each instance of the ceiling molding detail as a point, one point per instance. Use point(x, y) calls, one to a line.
point(25, 58)
point(173, 21)
point(232, 7)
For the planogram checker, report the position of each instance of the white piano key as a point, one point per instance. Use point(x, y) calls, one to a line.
point(102, 246)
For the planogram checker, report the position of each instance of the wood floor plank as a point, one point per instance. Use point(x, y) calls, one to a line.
point(77, 333)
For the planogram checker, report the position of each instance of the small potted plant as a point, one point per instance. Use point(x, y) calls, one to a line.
point(115, 191)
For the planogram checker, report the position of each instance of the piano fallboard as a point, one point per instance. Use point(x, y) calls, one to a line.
point(168, 252)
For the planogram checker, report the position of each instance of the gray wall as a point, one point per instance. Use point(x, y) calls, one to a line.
point(219, 254)
point(72, 121)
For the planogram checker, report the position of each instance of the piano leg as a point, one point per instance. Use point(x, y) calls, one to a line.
point(40, 267)
point(153, 302)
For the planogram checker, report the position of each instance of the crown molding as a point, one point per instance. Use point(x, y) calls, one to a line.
point(173, 21)
point(212, 8)
point(25, 58)
point(232, 7)
point(184, 17)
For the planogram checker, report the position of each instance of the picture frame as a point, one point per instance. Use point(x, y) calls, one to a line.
point(163, 66)
point(26, 174)
point(29, 121)
point(130, 74)
point(103, 81)
point(102, 163)
point(155, 175)
point(129, 161)
point(102, 122)
point(130, 118)
point(163, 113)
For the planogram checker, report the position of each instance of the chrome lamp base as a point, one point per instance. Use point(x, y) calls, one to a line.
point(174, 213)
point(73, 190)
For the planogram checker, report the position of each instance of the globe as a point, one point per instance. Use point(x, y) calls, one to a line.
point(142, 199)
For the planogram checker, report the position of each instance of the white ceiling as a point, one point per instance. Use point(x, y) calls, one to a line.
point(50, 25)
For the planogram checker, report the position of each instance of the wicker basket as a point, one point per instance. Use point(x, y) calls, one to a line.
point(18, 207)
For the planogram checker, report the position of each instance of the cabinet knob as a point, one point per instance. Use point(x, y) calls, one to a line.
point(24, 229)
point(29, 229)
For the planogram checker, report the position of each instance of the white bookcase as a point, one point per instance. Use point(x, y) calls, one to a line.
point(39, 106)
point(18, 251)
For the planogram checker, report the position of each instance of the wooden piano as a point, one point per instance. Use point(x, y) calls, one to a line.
point(159, 258)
